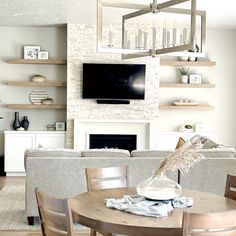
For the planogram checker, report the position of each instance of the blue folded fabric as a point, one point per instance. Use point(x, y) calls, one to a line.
point(140, 206)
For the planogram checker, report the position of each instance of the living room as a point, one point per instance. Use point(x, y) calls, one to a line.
point(73, 38)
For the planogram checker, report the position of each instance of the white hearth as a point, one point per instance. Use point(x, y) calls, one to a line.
point(83, 128)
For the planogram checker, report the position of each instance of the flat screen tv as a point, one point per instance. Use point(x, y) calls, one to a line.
point(113, 81)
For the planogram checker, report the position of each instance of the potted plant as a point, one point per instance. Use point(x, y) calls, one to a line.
point(184, 71)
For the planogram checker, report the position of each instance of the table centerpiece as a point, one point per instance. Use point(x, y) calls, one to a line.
point(159, 186)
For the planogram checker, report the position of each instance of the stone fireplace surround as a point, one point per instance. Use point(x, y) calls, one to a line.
point(83, 128)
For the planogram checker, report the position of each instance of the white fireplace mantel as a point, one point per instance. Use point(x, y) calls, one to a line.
point(84, 127)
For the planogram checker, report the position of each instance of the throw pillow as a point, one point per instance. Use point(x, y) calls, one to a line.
point(180, 143)
point(209, 144)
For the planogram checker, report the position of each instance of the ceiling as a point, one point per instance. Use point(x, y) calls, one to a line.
point(59, 12)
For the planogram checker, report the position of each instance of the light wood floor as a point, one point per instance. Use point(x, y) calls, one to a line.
point(18, 181)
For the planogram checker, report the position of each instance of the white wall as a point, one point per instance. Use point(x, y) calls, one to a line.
point(51, 39)
point(221, 47)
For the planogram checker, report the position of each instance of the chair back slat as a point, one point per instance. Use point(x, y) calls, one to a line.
point(205, 224)
point(55, 215)
point(108, 177)
point(105, 178)
point(230, 187)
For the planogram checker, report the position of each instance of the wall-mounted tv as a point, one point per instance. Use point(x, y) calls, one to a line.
point(113, 81)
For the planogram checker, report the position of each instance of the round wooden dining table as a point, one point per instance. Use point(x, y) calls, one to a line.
point(89, 209)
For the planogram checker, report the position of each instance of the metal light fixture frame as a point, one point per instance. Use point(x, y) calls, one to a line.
point(154, 8)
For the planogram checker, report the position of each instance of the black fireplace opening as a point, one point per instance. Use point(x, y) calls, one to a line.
point(121, 141)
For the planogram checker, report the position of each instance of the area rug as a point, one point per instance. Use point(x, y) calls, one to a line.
point(12, 210)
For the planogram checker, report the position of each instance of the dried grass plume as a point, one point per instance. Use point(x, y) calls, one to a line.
point(183, 158)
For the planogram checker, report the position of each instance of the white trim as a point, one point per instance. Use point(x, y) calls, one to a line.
point(84, 127)
point(15, 174)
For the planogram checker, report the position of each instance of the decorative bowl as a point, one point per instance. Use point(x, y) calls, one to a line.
point(38, 78)
point(47, 101)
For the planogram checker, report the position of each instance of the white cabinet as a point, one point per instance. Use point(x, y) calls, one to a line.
point(50, 140)
point(168, 140)
point(16, 142)
point(15, 145)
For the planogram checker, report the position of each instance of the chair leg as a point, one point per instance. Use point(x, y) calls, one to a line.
point(93, 232)
point(106, 234)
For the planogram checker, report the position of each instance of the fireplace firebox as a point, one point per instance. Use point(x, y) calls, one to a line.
point(127, 141)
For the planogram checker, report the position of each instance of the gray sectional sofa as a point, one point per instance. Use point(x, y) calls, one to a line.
point(61, 171)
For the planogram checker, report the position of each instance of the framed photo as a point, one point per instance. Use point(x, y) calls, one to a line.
point(60, 126)
point(31, 52)
point(195, 79)
point(43, 55)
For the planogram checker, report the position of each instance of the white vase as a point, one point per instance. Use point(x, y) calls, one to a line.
point(184, 79)
point(159, 187)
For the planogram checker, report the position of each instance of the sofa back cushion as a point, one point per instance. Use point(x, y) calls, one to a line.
point(53, 152)
point(218, 153)
point(150, 153)
point(50, 152)
point(106, 152)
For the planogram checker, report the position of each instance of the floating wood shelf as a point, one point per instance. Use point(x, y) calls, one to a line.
point(54, 61)
point(186, 63)
point(199, 107)
point(37, 84)
point(39, 106)
point(182, 85)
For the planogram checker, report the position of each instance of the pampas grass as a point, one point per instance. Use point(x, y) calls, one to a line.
point(182, 158)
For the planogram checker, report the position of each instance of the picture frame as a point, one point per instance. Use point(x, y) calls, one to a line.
point(60, 126)
point(31, 52)
point(195, 79)
point(43, 55)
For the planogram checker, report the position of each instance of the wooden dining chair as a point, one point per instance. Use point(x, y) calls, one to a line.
point(230, 183)
point(105, 178)
point(108, 177)
point(55, 215)
point(209, 224)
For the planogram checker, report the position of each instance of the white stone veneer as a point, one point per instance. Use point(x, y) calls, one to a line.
point(81, 49)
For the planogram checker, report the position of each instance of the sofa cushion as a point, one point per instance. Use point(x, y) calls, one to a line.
point(218, 153)
point(150, 153)
point(50, 152)
point(53, 152)
point(106, 152)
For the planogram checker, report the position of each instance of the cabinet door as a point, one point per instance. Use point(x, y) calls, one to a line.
point(15, 146)
point(50, 140)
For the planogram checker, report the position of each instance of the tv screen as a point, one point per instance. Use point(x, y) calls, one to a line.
point(113, 81)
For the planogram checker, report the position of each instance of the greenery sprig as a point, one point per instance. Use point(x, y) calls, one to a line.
point(184, 70)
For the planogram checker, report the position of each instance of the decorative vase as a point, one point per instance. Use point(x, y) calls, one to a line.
point(16, 122)
point(184, 79)
point(159, 187)
point(25, 123)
